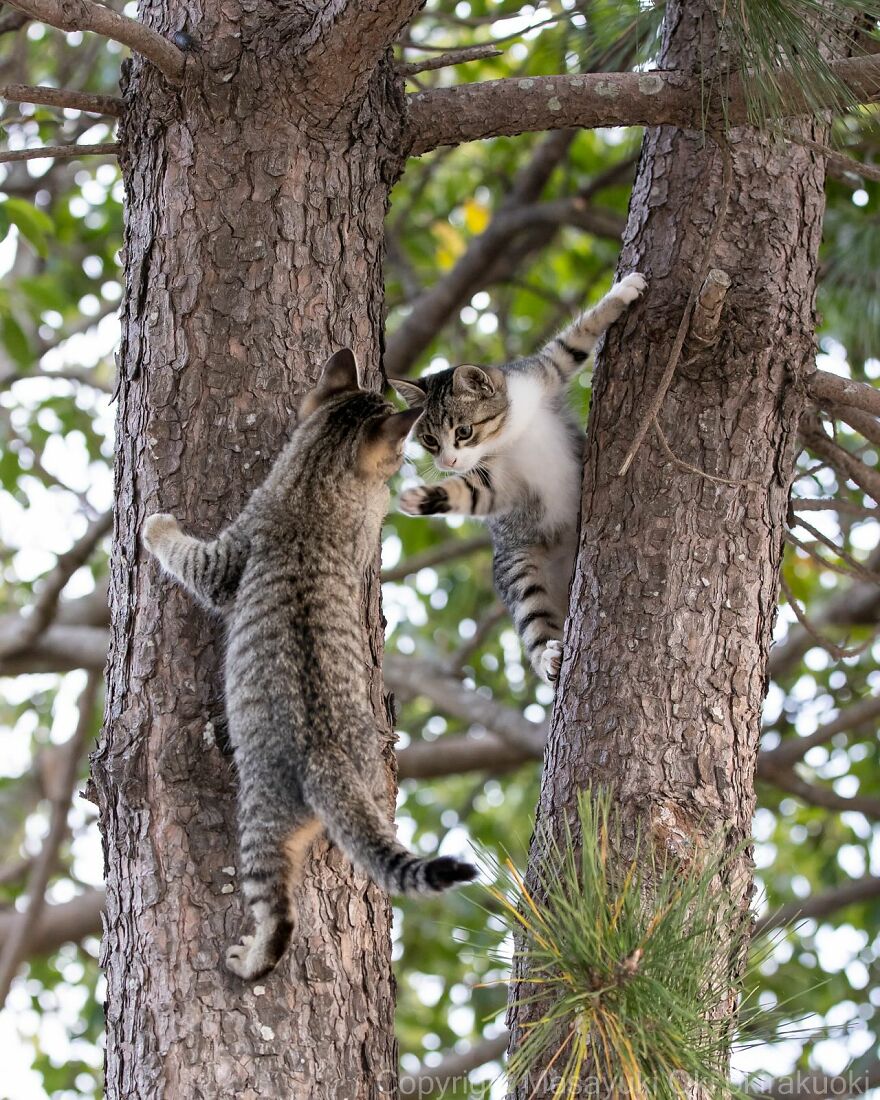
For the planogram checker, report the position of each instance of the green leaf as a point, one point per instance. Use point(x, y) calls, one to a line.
point(34, 225)
point(15, 340)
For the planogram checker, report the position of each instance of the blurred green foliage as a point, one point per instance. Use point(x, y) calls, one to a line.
point(60, 226)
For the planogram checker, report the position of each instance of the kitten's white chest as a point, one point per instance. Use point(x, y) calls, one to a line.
point(540, 455)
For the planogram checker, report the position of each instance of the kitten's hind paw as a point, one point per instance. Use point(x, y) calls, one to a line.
point(551, 661)
point(157, 528)
point(248, 959)
point(630, 287)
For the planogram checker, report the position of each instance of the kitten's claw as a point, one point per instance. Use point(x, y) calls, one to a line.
point(551, 661)
point(157, 527)
point(246, 960)
point(630, 287)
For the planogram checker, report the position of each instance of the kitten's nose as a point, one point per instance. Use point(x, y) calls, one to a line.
point(449, 461)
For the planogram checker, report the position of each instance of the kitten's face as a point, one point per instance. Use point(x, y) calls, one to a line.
point(464, 411)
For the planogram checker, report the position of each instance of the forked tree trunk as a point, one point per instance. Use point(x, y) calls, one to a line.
point(674, 596)
point(253, 249)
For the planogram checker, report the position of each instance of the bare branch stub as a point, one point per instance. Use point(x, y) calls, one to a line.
point(707, 311)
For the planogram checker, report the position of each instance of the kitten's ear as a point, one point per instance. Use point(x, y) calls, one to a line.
point(339, 375)
point(397, 426)
point(475, 381)
point(340, 372)
point(411, 392)
point(382, 450)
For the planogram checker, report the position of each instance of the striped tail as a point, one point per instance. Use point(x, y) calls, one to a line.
point(338, 795)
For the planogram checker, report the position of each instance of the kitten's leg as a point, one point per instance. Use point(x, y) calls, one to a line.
point(564, 354)
point(272, 861)
point(210, 570)
point(472, 494)
point(520, 581)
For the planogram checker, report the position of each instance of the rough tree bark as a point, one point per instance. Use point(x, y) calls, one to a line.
point(675, 589)
point(256, 195)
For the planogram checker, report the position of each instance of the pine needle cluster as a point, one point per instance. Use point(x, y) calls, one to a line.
point(785, 45)
point(627, 974)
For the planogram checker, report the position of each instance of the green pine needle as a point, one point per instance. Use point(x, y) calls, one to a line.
point(777, 43)
point(624, 971)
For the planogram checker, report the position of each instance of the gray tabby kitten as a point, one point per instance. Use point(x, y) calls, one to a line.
point(288, 577)
point(517, 453)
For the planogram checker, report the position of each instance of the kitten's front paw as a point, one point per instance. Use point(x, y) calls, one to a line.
point(247, 960)
point(551, 661)
point(630, 288)
point(425, 500)
point(158, 527)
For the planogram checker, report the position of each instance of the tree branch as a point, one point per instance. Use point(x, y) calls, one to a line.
point(793, 749)
point(470, 112)
point(454, 755)
point(814, 795)
point(820, 905)
point(827, 389)
point(63, 97)
point(410, 678)
point(819, 1086)
point(432, 309)
point(60, 152)
point(447, 551)
point(453, 57)
point(813, 435)
point(43, 610)
point(69, 922)
point(86, 15)
point(16, 943)
point(429, 1080)
point(58, 649)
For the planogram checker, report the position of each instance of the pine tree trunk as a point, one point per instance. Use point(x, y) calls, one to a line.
point(253, 249)
point(674, 596)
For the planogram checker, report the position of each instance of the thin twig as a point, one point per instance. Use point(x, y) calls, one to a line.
point(838, 160)
point(839, 653)
point(680, 464)
point(60, 152)
point(15, 945)
point(85, 15)
point(866, 477)
point(830, 504)
point(485, 627)
point(674, 356)
point(63, 97)
point(813, 553)
point(453, 57)
point(856, 566)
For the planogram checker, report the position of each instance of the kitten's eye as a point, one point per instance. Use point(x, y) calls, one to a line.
point(463, 433)
point(430, 442)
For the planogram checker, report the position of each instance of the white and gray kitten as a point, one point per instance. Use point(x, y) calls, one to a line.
point(516, 453)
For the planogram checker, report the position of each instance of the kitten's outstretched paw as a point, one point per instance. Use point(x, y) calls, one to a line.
point(424, 500)
point(551, 661)
point(248, 959)
point(630, 288)
point(158, 527)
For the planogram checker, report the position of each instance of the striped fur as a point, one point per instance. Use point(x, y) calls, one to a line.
point(516, 452)
point(288, 577)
